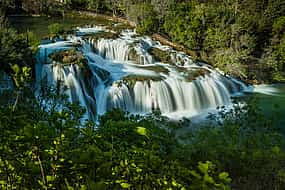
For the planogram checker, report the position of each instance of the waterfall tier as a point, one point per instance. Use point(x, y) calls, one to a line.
point(124, 73)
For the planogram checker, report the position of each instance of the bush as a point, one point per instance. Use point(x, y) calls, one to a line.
point(145, 17)
point(246, 144)
point(78, 4)
point(14, 49)
point(50, 149)
point(56, 29)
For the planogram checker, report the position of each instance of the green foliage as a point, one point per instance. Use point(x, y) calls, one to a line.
point(56, 29)
point(14, 49)
point(276, 60)
point(233, 34)
point(245, 145)
point(230, 61)
point(279, 76)
point(21, 75)
point(33, 40)
point(186, 24)
point(279, 54)
point(50, 148)
point(145, 17)
point(279, 26)
point(71, 56)
point(78, 4)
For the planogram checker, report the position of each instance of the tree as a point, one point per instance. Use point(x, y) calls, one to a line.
point(162, 7)
point(145, 17)
point(14, 49)
point(186, 24)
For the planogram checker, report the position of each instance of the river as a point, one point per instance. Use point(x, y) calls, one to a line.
point(139, 83)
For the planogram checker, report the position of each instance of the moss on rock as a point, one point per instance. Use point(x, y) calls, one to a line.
point(156, 68)
point(142, 78)
point(160, 55)
point(69, 57)
point(191, 74)
point(131, 80)
point(99, 35)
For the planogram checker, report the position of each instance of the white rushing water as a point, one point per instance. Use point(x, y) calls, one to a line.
point(122, 73)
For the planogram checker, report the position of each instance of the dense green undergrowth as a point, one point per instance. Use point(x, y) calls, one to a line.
point(46, 145)
point(43, 148)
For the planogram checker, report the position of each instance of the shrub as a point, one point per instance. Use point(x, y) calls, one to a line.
point(56, 29)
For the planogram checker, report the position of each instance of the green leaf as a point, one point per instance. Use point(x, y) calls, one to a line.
point(208, 179)
point(125, 185)
point(50, 178)
point(204, 167)
point(195, 174)
point(142, 131)
point(225, 177)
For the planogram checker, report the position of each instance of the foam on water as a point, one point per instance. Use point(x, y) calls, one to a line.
point(149, 85)
point(267, 89)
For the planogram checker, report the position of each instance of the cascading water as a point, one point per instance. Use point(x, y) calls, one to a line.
point(121, 50)
point(121, 73)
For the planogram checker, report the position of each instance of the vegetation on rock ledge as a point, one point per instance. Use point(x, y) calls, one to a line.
point(71, 56)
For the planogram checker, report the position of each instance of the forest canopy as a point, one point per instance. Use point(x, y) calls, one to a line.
point(244, 38)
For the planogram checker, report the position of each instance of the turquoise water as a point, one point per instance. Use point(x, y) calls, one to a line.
point(271, 100)
point(39, 25)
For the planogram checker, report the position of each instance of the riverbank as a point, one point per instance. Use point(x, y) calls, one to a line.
point(257, 74)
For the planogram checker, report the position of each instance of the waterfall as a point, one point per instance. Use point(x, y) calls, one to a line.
point(122, 50)
point(170, 95)
point(70, 77)
point(112, 49)
point(121, 73)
